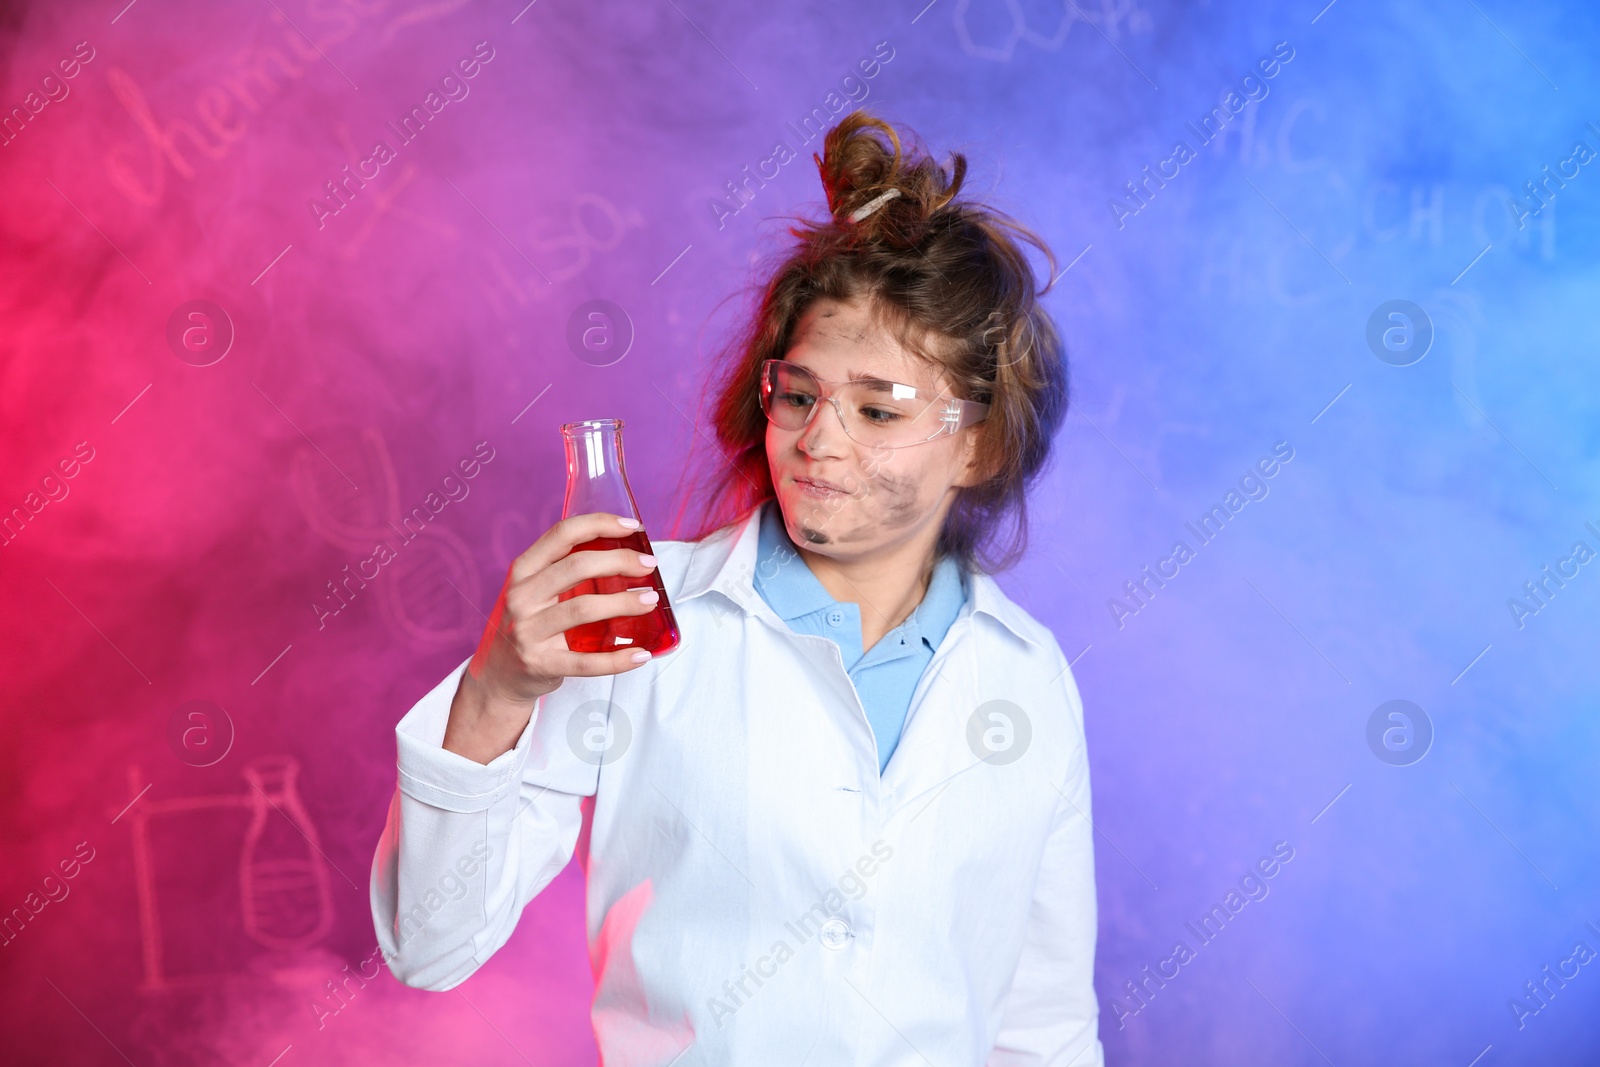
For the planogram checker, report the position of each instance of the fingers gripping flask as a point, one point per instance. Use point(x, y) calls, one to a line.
point(597, 481)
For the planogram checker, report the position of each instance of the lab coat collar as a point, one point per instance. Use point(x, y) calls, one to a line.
point(724, 561)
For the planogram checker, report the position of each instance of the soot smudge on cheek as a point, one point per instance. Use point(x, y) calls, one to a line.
point(812, 536)
point(894, 501)
point(899, 497)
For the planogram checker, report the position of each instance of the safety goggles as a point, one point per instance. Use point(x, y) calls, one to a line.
point(874, 412)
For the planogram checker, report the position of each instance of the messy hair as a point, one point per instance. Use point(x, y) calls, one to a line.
point(950, 280)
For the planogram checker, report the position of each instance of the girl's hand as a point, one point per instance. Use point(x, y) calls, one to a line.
point(523, 654)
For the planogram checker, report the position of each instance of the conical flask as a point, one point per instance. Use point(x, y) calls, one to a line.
point(283, 882)
point(597, 481)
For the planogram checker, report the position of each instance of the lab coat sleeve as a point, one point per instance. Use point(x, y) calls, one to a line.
point(467, 845)
point(1051, 1015)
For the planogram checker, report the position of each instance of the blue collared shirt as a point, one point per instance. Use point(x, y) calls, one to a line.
point(886, 675)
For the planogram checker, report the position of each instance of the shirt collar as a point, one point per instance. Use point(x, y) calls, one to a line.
point(792, 590)
point(942, 603)
point(780, 576)
point(724, 561)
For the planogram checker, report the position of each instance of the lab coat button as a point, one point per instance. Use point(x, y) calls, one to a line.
point(835, 933)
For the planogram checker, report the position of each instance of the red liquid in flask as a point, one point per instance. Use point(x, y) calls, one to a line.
point(598, 482)
point(656, 631)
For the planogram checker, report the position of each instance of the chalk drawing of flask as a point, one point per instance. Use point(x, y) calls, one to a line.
point(283, 879)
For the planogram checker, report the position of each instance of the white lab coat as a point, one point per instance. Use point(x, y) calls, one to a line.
point(756, 893)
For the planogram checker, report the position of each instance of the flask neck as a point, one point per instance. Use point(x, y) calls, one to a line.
point(273, 776)
point(596, 477)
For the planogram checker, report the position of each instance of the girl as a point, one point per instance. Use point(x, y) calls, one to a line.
point(847, 820)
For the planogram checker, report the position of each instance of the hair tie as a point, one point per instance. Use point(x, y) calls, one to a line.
point(872, 205)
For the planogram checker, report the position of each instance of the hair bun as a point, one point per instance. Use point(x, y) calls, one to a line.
point(875, 184)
